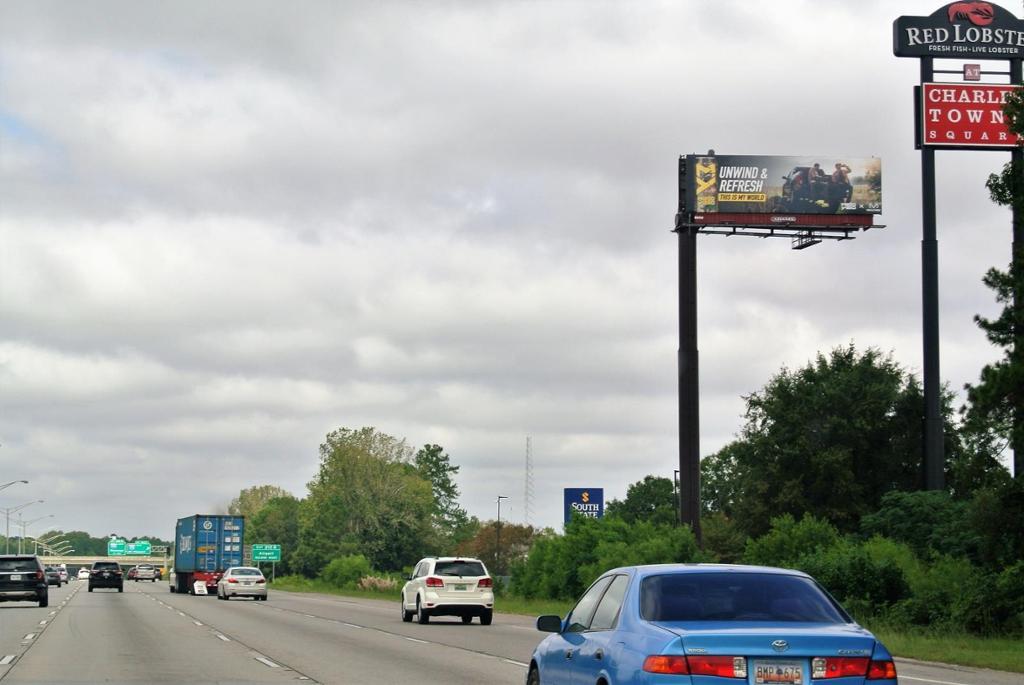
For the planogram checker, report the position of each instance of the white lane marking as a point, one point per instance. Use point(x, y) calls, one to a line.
point(224, 637)
point(309, 615)
point(43, 622)
point(29, 636)
point(515, 663)
point(8, 659)
point(422, 642)
point(266, 662)
point(53, 613)
point(929, 680)
point(197, 623)
point(352, 625)
point(180, 614)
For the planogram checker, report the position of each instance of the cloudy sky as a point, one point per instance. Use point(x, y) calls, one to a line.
point(229, 228)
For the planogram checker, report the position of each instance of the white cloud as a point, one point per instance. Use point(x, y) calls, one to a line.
point(225, 233)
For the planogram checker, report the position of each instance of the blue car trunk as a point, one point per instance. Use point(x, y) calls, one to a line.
point(751, 639)
point(771, 650)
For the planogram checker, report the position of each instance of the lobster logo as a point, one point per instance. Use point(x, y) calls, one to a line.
point(978, 13)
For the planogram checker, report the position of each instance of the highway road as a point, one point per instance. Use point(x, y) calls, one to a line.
point(147, 634)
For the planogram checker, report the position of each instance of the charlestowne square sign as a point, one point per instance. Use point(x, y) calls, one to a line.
point(963, 116)
point(966, 116)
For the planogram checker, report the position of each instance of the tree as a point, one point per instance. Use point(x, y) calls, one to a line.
point(996, 404)
point(652, 499)
point(999, 396)
point(365, 499)
point(828, 439)
point(251, 500)
point(930, 522)
point(719, 480)
point(516, 542)
point(449, 519)
point(277, 523)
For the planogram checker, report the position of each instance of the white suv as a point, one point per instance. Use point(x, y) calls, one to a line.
point(449, 586)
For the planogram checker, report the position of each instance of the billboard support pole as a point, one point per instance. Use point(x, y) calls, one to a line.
point(934, 457)
point(689, 388)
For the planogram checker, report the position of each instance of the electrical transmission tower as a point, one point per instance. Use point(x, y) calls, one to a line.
point(528, 483)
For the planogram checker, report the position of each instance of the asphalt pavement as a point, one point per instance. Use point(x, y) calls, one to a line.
point(148, 634)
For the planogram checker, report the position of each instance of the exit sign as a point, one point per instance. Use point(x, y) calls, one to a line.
point(266, 552)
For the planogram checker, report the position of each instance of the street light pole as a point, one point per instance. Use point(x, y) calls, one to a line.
point(26, 524)
point(497, 542)
point(8, 512)
point(55, 536)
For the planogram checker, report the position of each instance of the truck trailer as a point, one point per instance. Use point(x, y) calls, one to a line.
point(205, 545)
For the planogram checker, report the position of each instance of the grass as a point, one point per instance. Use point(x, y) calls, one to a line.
point(506, 605)
point(1000, 653)
point(1003, 654)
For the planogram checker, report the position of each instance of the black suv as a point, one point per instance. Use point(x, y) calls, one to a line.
point(106, 574)
point(22, 578)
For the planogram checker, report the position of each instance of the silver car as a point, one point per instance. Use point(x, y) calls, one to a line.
point(242, 581)
point(145, 572)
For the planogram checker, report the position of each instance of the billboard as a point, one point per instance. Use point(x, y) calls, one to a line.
point(965, 116)
point(961, 30)
point(584, 501)
point(770, 184)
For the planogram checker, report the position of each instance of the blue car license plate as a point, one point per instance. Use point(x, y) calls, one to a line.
point(777, 672)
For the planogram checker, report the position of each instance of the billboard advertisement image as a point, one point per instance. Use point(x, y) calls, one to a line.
point(770, 184)
point(583, 501)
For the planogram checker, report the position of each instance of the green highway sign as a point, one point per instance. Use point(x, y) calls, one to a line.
point(141, 548)
point(117, 547)
point(266, 552)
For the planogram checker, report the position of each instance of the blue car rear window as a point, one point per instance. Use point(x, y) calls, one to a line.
point(736, 597)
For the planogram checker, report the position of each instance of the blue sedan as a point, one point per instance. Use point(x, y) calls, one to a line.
point(707, 624)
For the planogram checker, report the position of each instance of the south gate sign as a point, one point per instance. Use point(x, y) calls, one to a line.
point(971, 30)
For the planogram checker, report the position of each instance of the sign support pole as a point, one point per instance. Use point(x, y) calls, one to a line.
point(934, 449)
point(1017, 272)
point(689, 387)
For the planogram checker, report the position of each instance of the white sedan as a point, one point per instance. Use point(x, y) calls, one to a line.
point(83, 573)
point(242, 581)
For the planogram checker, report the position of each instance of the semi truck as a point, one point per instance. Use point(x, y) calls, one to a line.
point(206, 545)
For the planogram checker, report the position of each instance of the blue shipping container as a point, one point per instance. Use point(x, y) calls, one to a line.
point(208, 542)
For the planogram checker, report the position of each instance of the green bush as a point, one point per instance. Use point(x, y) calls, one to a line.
point(788, 541)
point(935, 589)
point(563, 566)
point(930, 522)
point(723, 539)
point(866, 586)
point(345, 572)
point(992, 603)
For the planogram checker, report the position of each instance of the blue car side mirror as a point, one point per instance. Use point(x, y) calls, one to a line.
point(549, 624)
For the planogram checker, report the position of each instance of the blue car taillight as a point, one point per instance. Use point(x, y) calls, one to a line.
point(882, 670)
point(838, 667)
point(720, 666)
